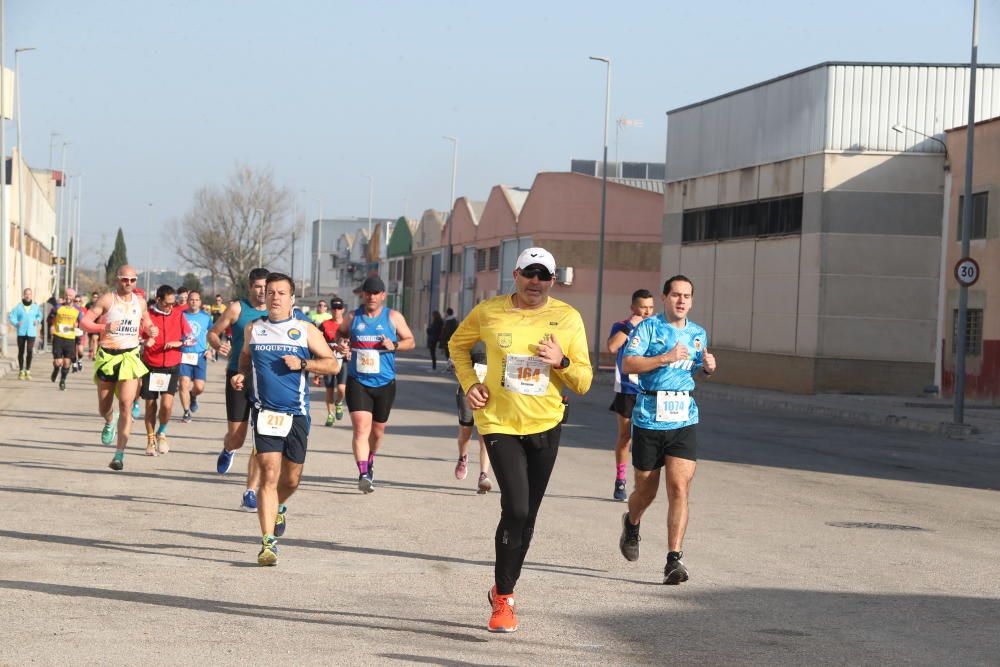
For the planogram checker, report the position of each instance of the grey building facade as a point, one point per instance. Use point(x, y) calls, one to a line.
point(812, 228)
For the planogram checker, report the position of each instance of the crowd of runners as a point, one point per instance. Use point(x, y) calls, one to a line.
point(514, 356)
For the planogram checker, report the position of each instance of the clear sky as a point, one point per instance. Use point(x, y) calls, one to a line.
point(161, 98)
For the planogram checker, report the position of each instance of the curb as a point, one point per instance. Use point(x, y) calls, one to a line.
point(948, 429)
point(7, 365)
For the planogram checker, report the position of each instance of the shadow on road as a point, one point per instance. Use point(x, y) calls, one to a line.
point(266, 613)
point(573, 570)
point(769, 626)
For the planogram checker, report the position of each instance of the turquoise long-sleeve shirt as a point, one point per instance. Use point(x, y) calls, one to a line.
point(26, 319)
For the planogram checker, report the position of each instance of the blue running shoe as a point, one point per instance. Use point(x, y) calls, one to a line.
point(135, 410)
point(249, 502)
point(280, 523)
point(194, 404)
point(620, 493)
point(108, 432)
point(268, 551)
point(225, 461)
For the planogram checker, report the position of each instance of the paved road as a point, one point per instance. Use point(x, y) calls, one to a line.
point(156, 565)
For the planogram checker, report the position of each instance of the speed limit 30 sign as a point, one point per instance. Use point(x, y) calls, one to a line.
point(967, 271)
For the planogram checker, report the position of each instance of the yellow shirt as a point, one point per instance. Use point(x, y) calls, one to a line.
point(525, 393)
point(65, 322)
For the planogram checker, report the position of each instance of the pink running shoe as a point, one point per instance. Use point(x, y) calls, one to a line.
point(462, 467)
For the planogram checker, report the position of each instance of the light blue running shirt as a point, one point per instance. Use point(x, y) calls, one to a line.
point(200, 323)
point(654, 336)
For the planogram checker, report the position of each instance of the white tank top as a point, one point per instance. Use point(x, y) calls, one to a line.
point(129, 314)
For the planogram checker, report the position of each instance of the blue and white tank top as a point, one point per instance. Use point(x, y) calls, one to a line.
point(371, 364)
point(247, 314)
point(275, 386)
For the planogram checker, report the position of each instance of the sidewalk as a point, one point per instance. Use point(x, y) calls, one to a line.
point(913, 413)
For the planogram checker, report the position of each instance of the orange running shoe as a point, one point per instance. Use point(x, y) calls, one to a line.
point(503, 618)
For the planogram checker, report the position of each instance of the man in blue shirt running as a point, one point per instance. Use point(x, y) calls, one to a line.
point(665, 351)
point(194, 356)
point(276, 351)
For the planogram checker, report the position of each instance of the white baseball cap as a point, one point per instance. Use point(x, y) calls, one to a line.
point(536, 256)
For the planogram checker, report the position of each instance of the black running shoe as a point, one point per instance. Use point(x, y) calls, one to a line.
point(675, 571)
point(628, 543)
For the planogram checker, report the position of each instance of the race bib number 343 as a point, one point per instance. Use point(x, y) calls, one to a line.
point(526, 374)
point(368, 361)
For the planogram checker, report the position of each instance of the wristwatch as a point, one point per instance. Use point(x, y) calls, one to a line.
point(302, 364)
point(564, 364)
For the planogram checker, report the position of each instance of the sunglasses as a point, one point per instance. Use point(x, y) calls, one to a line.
point(337, 306)
point(126, 279)
point(539, 272)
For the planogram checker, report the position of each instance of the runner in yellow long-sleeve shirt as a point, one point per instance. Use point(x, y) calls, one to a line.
point(535, 347)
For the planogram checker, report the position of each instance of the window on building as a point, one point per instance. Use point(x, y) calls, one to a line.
point(482, 255)
point(494, 258)
point(456, 261)
point(973, 331)
point(770, 217)
point(980, 202)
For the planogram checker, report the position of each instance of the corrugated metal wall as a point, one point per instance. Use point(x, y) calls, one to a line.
point(763, 124)
point(865, 101)
point(834, 107)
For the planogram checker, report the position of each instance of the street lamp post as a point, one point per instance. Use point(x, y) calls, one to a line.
point(963, 290)
point(61, 221)
point(371, 201)
point(604, 202)
point(451, 220)
point(319, 247)
point(76, 237)
point(149, 248)
point(20, 161)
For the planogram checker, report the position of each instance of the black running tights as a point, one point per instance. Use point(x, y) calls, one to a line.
point(25, 347)
point(522, 465)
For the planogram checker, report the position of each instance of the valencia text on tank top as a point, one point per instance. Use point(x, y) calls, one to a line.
point(371, 364)
point(247, 314)
point(128, 314)
point(275, 386)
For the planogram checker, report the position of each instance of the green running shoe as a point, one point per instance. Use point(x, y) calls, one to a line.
point(339, 408)
point(268, 551)
point(280, 523)
point(329, 420)
point(108, 432)
point(118, 462)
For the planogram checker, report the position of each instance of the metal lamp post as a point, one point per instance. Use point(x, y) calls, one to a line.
point(604, 202)
point(963, 290)
point(319, 247)
point(451, 220)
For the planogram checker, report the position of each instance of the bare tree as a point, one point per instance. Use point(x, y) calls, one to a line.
point(230, 227)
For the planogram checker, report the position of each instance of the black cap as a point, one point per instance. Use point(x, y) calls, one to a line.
point(373, 285)
point(336, 302)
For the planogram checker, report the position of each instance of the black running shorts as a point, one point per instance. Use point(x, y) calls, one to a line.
point(464, 411)
point(63, 348)
point(376, 400)
point(237, 401)
point(292, 446)
point(147, 395)
point(650, 448)
point(331, 381)
point(623, 404)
